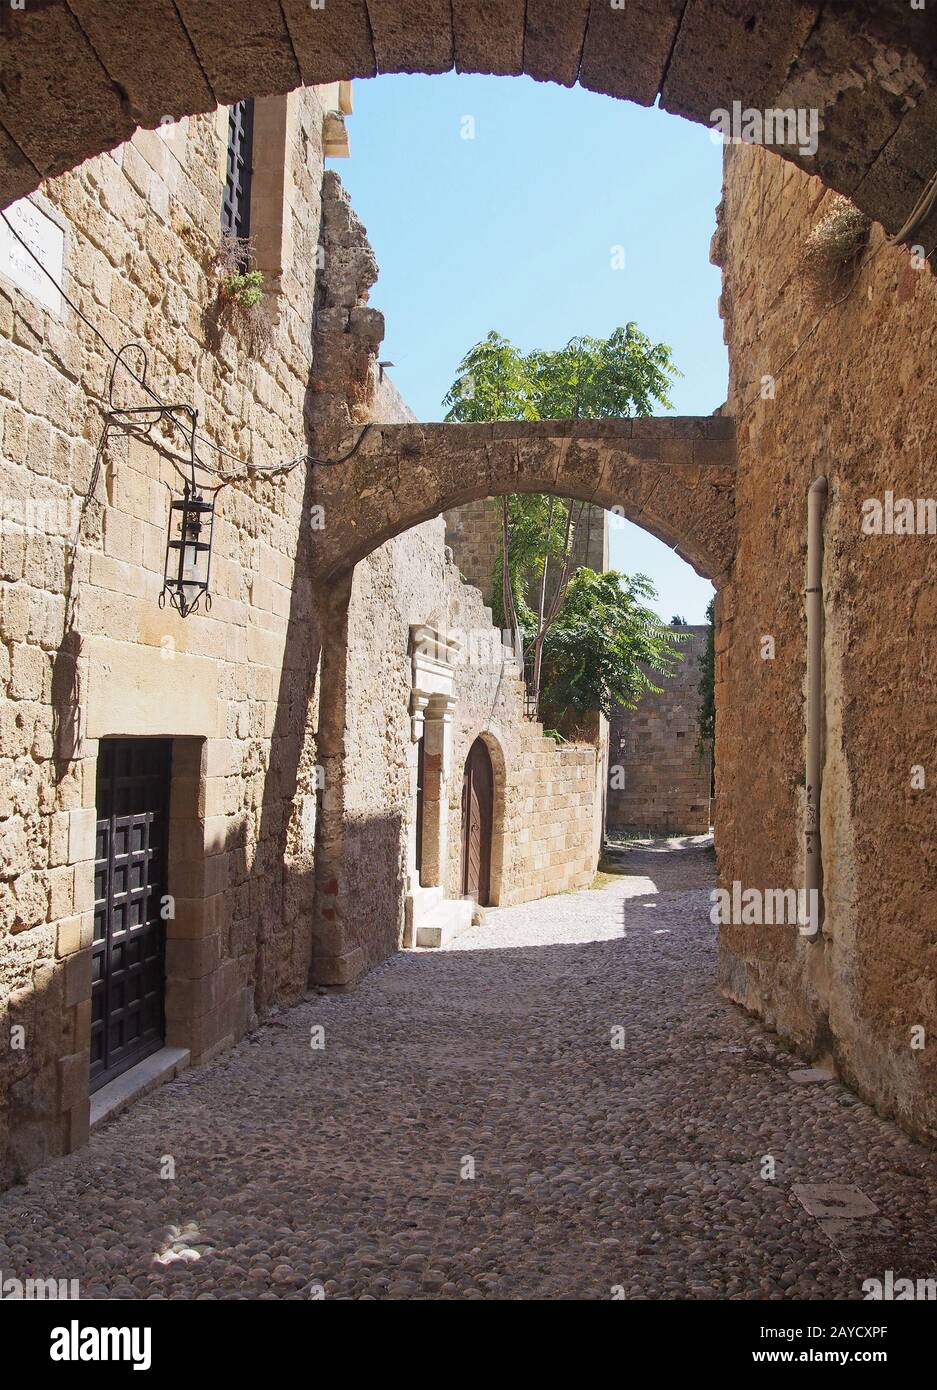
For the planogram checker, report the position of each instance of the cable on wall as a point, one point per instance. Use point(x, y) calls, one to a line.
point(167, 412)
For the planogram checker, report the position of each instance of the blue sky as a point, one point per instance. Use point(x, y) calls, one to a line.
point(516, 229)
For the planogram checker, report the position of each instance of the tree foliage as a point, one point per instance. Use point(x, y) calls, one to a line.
point(493, 384)
point(602, 378)
point(605, 645)
point(589, 378)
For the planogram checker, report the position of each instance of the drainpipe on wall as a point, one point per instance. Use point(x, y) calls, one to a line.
point(816, 505)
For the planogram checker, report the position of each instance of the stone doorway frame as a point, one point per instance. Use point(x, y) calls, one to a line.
point(197, 973)
point(434, 656)
point(493, 740)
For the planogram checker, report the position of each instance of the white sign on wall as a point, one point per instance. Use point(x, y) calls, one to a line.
point(46, 240)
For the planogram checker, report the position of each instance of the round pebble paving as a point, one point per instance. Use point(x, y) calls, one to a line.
point(560, 1105)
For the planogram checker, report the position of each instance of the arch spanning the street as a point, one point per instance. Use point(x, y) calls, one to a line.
point(672, 475)
point(79, 75)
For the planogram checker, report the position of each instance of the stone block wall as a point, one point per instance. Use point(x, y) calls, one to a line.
point(545, 800)
point(659, 774)
point(855, 402)
point(546, 811)
point(474, 533)
point(86, 651)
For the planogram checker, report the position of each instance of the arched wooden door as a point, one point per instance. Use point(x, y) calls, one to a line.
point(477, 823)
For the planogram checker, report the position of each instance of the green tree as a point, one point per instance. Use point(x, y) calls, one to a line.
point(605, 644)
point(590, 378)
point(601, 378)
point(493, 384)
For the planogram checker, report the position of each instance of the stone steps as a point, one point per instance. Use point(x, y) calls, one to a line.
point(443, 922)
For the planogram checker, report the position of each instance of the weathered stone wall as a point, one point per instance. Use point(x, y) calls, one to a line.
point(474, 533)
point(546, 812)
point(855, 403)
point(86, 651)
point(659, 773)
point(545, 804)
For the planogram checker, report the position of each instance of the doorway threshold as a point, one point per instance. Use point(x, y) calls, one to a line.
point(137, 1081)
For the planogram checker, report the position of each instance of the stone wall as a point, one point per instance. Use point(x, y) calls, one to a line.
point(545, 805)
point(88, 653)
point(659, 774)
point(545, 811)
point(474, 533)
point(855, 403)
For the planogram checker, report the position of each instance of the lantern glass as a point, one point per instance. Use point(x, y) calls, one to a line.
point(188, 551)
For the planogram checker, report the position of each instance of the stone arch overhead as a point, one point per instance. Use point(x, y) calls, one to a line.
point(672, 475)
point(78, 76)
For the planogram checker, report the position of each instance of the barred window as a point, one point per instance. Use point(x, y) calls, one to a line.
point(236, 202)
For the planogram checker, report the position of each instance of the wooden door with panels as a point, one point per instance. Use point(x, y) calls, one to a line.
point(128, 949)
point(477, 823)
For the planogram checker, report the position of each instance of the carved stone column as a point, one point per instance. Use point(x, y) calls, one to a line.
point(433, 657)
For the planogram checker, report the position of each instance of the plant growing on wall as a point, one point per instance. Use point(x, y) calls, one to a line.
point(832, 253)
point(239, 307)
point(589, 378)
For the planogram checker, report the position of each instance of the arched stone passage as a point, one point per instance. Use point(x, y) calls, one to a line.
point(675, 476)
point(78, 77)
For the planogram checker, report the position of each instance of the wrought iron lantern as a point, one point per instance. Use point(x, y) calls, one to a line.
point(188, 550)
point(187, 567)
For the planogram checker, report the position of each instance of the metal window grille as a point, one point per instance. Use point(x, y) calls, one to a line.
point(236, 203)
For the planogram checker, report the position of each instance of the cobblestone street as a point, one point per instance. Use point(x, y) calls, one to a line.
point(595, 1168)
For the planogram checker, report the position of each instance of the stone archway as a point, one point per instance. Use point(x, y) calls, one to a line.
point(78, 77)
point(674, 476)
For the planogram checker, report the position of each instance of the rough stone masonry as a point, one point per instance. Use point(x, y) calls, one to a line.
point(290, 707)
point(659, 765)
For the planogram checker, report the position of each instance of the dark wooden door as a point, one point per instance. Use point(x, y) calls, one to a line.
point(477, 821)
point(129, 945)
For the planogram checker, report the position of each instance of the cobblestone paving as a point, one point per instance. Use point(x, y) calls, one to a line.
point(596, 1168)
